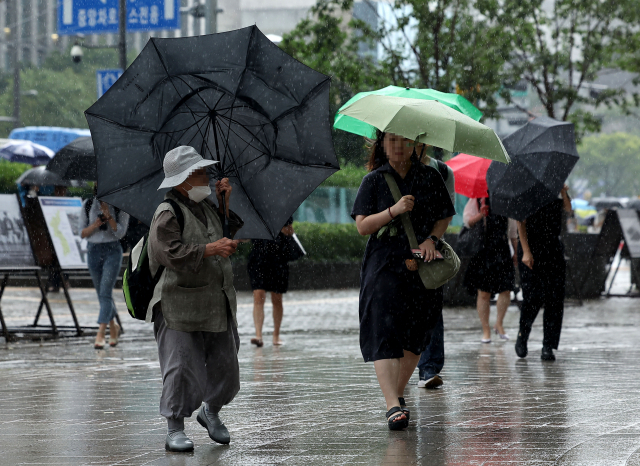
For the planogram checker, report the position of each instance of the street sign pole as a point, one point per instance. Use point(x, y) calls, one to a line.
point(212, 19)
point(122, 45)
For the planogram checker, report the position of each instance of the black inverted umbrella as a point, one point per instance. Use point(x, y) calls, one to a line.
point(236, 98)
point(75, 161)
point(543, 153)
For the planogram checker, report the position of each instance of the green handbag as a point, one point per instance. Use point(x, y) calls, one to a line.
point(433, 274)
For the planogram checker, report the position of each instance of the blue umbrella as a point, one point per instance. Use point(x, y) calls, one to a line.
point(26, 152)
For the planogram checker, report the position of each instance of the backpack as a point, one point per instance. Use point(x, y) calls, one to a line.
point(138, 284)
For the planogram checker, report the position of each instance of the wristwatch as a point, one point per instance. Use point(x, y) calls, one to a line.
point(434, 239)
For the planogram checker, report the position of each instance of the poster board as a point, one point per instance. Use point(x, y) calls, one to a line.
point(630, 225)
point(15, 247)
point(62, 215)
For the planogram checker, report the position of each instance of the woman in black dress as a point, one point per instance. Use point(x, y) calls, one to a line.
point(542, 273)
point(491, 271)
point(397, 313)
point(269, 271)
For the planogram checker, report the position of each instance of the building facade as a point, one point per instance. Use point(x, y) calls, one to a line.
point(35, 29)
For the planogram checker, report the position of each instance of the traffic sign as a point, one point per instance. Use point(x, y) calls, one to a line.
point(101, 16)
point(106, 78)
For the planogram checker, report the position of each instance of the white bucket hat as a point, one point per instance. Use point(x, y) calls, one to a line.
point(181, 162)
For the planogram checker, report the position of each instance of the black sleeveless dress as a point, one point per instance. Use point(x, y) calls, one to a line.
point(268, 269)
point(491, 270)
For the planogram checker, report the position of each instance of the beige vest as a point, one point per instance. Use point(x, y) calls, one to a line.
point(196, 301)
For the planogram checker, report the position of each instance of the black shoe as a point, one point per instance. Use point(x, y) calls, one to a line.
point(547, 354)
point(521, 346)
point(217, 430)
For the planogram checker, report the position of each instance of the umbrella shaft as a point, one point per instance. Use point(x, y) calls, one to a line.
point(225, 223)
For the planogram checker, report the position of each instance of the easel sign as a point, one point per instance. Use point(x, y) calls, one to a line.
point(62, 215)
point(630, 225)
point(15, 247)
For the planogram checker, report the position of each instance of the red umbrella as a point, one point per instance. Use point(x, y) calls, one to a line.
point(470, 175)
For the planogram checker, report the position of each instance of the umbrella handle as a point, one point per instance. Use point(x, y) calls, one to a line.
point(225, 223)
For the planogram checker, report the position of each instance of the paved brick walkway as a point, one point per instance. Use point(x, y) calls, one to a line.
point(313, 401)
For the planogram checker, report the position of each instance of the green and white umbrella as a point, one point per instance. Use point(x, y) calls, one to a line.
point(455, 101)
point(426, 121)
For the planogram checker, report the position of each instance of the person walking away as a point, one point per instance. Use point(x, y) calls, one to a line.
point(492, 270)
point(104, 226)
point(397, 313)
point(193, 307)
point(542, 274)
point(268, 269)
point(432, 359)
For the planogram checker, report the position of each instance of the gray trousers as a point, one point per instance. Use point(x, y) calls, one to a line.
point(196, 367)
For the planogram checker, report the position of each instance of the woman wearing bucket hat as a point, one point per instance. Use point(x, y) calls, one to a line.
point(194, 303)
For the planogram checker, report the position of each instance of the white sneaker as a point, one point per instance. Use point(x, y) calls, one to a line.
point(433, 382)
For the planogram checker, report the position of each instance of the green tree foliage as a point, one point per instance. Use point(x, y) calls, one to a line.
point(558, 47)
point(329, 43)
point(65, 90)
point(609, 164)
point(444, 45)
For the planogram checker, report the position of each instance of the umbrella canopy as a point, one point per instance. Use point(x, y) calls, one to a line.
point(543, 153)
point(607, 203)
point(429, 122)
point(470, 175)
point(26, 152)
point(634, 204)
point(236, 98)
point(40, 176)
point(75, 161)
point(455, 101)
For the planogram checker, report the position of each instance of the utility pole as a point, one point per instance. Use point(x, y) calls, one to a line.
point(212, 16)
point(15, 63)
point(122, 33)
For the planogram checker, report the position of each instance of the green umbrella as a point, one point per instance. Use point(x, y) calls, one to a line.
point(455, 101)
point(428, 122)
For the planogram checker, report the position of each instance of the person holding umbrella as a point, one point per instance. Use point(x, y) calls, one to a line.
point(194, 303)
point(542, 273)
point(532, 191)
point(104, 226)
point(397, 313)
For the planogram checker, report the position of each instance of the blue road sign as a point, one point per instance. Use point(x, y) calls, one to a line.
point(101, 16)
point(106, 78)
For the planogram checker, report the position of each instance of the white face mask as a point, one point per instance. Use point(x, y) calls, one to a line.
point(198, 193)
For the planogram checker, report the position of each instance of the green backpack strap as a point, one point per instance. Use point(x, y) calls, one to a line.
point(406, 221)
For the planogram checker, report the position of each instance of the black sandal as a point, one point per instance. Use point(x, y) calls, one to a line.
point(403, 407)
point(394, 420)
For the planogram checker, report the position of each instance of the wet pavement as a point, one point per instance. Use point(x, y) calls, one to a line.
point(314, 402)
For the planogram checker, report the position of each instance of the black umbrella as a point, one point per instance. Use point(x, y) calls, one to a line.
point(236, 98)
point(606, 203)
point(543, 153)
point(75, 161)
point(40, 176)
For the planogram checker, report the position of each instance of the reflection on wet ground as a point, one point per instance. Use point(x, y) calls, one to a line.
point(313, 401)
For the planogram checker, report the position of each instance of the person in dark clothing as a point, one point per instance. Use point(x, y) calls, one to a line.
point(491, 271)
point(269, 271)
point(432, 359)
point(542, 273)
point(397, 313)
